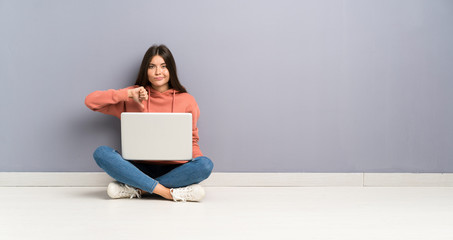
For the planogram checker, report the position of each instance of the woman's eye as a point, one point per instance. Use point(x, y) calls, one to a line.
point(164, 66)
point(151, 67)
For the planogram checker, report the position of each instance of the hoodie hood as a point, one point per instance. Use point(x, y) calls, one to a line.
point(163, 96)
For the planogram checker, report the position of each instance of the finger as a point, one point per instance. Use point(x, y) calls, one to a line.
point(144, 94)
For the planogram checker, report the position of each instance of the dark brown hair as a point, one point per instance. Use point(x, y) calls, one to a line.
point(164, 52)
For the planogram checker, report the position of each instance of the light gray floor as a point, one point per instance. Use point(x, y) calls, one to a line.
point(230, 213)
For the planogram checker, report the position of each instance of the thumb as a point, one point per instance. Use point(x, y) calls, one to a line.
point(140, 102)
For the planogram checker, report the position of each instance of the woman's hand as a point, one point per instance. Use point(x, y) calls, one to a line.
point(139, 95)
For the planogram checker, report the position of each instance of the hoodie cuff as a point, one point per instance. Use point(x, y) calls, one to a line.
point(123, 94)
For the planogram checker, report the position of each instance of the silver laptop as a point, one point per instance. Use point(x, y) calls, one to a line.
point(156, 136)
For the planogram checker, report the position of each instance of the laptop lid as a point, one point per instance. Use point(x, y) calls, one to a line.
point(156, 136)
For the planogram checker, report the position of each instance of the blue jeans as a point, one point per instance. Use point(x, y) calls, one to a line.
point(147, 176)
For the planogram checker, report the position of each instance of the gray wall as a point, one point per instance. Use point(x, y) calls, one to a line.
point(283, 86)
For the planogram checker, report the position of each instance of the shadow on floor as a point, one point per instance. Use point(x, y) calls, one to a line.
point(102, 194)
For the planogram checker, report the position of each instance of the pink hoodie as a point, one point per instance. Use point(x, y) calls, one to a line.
point(114, 102)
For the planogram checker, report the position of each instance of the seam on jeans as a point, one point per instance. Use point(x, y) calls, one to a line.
point(153, 187)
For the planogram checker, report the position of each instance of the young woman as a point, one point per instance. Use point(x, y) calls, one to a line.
point(157, 89)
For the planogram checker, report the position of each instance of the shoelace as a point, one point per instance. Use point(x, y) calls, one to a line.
point(182, 194)
point(130, 190)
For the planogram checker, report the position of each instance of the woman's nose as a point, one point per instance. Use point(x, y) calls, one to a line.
point(158, 70)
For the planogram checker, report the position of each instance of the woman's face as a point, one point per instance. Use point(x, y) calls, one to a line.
point(158, 74)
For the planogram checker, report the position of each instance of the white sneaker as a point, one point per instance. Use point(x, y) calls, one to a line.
point(193, 193)
point(121, 190)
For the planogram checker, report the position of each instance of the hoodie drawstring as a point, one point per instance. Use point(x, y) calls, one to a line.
point(173, 101)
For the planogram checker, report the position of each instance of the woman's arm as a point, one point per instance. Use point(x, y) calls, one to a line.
point(113, 102)
point(196, 152)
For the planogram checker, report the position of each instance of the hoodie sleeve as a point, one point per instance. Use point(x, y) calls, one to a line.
point(196, 152)
point(112, 102)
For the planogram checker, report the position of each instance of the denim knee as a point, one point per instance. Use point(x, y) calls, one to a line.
point(100, 154)
point(205, 166)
